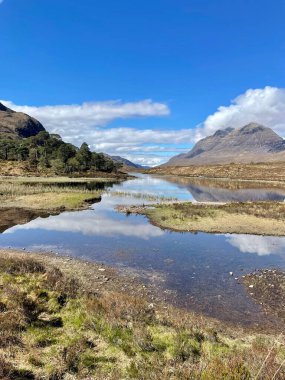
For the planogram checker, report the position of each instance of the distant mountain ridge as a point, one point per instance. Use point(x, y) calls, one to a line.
point(128, 163)
point(251, 143)
point(14, 125)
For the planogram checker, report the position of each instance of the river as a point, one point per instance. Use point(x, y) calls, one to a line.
point(189, 270)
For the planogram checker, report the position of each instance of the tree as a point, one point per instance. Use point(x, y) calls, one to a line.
point(84, 156)
point(58, 166)
point(66, 151)
point(22, 153)
point(73, 165)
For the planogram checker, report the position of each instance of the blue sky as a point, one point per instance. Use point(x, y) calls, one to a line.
point(144, 79)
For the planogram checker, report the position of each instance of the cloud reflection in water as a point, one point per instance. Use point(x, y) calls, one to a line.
point(261, 245)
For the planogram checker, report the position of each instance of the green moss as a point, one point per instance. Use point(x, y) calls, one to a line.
point(41, 336)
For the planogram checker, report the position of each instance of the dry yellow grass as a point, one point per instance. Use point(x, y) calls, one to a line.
point(260, 171)
point(258, 218)
point(53, 201)
point(47, 193)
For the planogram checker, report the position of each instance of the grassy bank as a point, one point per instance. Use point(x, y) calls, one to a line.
point(259, 218)
point(250, 172)
point(61, 319)
point(48, 193)
point(25, 198)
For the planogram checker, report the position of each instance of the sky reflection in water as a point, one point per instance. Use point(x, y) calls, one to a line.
point(195, 266)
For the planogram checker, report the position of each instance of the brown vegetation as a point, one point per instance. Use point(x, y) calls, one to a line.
point(260, 218)
point(53, 325)
point(251, 172)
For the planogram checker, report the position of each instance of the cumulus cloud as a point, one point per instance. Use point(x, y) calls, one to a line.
point(90, 122)
point(146, 147)
point(74, 117)
point(265, 106)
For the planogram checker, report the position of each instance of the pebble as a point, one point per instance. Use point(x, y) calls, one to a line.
point(231, 273)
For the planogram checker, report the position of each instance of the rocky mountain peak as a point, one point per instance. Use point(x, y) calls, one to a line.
point(252, 128)
point(251, 143)
point(223, 132)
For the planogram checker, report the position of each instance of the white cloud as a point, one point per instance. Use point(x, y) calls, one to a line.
point(265, 106)
point(89, 122)
point(72, 118)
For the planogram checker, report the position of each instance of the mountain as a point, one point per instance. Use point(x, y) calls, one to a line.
point(26, 144)
point(14, 125)
point(251, 143)
point(128, 163)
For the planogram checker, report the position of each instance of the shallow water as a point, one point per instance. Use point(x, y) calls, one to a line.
point(190, 270)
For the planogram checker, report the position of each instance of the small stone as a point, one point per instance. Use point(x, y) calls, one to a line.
point(50, 320)
point(231, 273)
point(250, 286)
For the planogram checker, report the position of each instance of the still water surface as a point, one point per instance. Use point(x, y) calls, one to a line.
point(190, 270)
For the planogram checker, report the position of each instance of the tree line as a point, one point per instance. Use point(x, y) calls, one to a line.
point(46, 150)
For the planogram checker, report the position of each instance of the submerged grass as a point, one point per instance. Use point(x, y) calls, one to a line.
point(52, 328)
point(147, 196)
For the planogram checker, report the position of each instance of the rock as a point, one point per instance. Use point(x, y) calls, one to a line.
point(50, 320)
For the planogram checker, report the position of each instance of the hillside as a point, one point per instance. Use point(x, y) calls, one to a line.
point(14, 125)
point(127, 163)
point(251, 143)
point(27, 147)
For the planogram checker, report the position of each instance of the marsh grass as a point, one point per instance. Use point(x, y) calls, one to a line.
point(271, 171)
point(272, 210)
point(146, 196)
point(12, 190)
point(112, 335)
point(47, 195)
point(259, 218)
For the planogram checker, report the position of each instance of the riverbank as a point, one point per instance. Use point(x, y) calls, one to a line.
point(258, 218)
point(72, 319)
point(267, 287)
point(249, 172)
point(50, 193)
point(25, 198)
